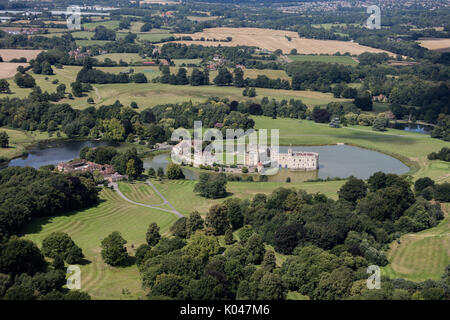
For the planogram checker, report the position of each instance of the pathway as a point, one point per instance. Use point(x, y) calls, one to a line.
point(157, 206)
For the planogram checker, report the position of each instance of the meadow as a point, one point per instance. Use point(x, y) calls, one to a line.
point(346, 60)
point(150, 94)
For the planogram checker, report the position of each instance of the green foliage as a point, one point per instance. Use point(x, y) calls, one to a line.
point(211, 185)
point(114, 251)
point(353, 190)
point(174, 172)
point(152, 236)
point(4, 139)
point(217, 219)
point(60, 245)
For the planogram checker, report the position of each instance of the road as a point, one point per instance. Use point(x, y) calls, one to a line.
point(152, 206)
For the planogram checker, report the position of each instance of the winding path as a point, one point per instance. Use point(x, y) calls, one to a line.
point(156, 206)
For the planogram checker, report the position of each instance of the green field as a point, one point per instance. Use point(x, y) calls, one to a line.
point(347, 60)
point(422, 255)
point(151, 94)
point(139, 192)
point(88, 227)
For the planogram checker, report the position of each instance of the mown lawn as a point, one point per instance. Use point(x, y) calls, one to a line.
point(423, 255)
point(88, 227)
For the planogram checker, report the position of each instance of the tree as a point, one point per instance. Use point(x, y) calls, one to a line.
point(353, 190)
point(269, 262)
point(194, 223)
point(211, 185)
point(234, 213)
point(179, 228)
point(335, 285)
point(58, 263)
point(152, 236)
point(4, 139)
point(321, 115)
point(245, 233)
point(131, 170)
point(217, 219)
point(251, 93)
point(202, 246)
point(423, 183)
point(114, 251)
point(229, 237)
point(4, 86)
point(380, 124)
point(238, 80)
point(59, 244)
point(151, 172)
point(181, 77)
point(255, 248)
point(197, 78)
point(223, 78)
point(174, 172)
point(364, 103)
point(77, 88)
point(160, 172)
point(271, 287)
point(19, 256)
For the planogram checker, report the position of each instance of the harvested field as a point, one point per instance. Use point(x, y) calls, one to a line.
point(8, 69)
point(8, 54)
point(275, 39)
point(442, 45)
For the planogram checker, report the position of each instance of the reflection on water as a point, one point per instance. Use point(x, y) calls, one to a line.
point(337, 161)
point(412, 127)
point(54, 152)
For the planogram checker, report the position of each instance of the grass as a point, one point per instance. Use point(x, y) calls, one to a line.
point(110, 24)
point(190, 201)
point(347, 60)
point(423, 255)
point(139, 192)
point(88, 227)
point(151, 94)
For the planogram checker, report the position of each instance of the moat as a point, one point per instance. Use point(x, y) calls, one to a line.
point(335, 160)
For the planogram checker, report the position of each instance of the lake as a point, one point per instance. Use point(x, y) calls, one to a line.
point(335, 161)
point(54, 152)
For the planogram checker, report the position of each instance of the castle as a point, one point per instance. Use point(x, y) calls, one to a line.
point(254, 157)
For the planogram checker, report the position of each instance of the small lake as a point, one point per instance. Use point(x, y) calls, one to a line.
point(335, 161)
point(54, 152)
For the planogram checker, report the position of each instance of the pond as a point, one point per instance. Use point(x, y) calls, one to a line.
point(335, 161)
point(412, 127)
point(54, 152)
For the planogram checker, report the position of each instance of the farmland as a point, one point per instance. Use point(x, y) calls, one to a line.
point(275, 39)
point(9, 69)
point(9, 54)
point(436, 44)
